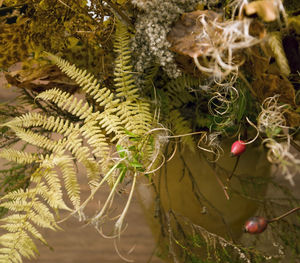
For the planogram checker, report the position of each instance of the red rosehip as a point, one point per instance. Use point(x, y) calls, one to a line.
point(256, 225)
point(238, 147)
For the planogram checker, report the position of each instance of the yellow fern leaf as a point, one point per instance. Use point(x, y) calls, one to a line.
point(30, 211)
point(38, 139)
point(86, 81)
point(18, 156)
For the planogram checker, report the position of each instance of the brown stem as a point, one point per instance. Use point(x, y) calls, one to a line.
point(220, 182)
point(234, 168)
point(295, 145)
point(284, 215)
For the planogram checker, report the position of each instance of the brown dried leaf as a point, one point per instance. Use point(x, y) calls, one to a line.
point(184, 34)
point(258, 61)
point(267, 85)
point(292, 118)
point(40, 79)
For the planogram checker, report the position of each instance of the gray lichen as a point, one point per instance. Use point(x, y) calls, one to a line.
point(152, 26)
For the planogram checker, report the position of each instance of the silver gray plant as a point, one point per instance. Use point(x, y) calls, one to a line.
point(152, 26)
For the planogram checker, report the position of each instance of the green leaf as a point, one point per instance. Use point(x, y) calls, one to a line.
point(121, 151)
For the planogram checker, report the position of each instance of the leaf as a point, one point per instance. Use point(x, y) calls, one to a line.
point(292, 118)
point(41, 78)
point(121, 151)
point(267, 85)
point(184, 34)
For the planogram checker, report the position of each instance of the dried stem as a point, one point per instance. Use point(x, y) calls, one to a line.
point(234, 168)
point(284, 215)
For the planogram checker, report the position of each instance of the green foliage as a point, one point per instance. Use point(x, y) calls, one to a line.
point(56, 26)
point(174, 97)
point(119, 123)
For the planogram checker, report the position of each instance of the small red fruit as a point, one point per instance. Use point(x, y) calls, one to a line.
point(237, 148)
point(256, 225)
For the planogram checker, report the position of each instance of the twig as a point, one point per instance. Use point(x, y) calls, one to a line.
point(222, 185)
point(284, 215)
point(295, 145)
point(234, 168)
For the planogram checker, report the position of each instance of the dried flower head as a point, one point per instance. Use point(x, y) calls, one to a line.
point(212, 43)
point(211, 143)
point(280, 155)
point(271, 119)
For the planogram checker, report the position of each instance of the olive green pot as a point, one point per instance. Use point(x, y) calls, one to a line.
point(189, 186)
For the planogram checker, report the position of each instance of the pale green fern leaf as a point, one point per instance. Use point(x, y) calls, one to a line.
point(66, 166)
point(38, 139)
point(95, 137)
point(103, 96)
point(20, 157)
point(90, 130)
point(30, 211)
point(67, 102)
point(53, 195)
point(134, 114)
point(86, 81)
point(71, 183)
point(124, 80)
point(50, 123)
point(139, 123)
point(16, 245)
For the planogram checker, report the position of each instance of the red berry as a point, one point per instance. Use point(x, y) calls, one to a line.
point(238, 147)
point(256, 225)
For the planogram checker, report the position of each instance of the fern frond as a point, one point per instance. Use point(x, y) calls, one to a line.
point(53, 194)
point(84, 111)
point(70, 179)
point(38, 139)
point(112, 123)
point(124, 81)
point(68, 102)
point(65, 164)
point(95, 137)
point(180, 126)
point(20, 157)
point(134, 114)
point(50, 123)
point(21, 228)
point(178, 90)
point(140, 117)
point(15, 245)
point(86, 81)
